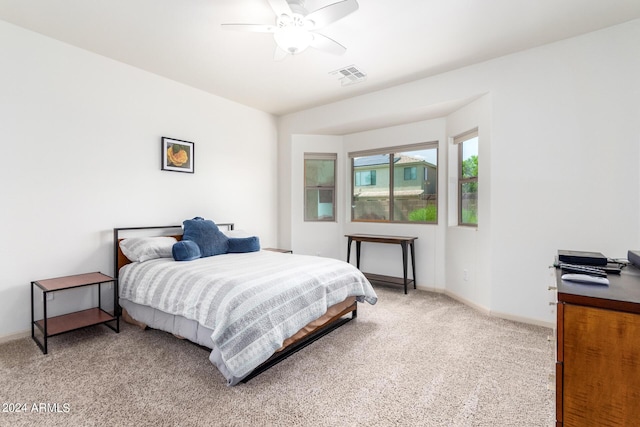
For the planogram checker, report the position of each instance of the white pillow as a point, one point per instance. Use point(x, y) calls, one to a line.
point(236, 233)
point(140, 249)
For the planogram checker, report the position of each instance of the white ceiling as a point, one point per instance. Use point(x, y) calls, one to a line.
point(392, 41)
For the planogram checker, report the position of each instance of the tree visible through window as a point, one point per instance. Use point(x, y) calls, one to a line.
point(468, 178)
point(397, 184)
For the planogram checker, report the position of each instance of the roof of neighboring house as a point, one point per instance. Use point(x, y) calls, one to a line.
point(383, 159)
point(380, 159)
point(409, 159)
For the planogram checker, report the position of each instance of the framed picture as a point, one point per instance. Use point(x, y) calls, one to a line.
point(177, 155)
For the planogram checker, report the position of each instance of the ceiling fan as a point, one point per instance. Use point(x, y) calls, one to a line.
point(296, 28)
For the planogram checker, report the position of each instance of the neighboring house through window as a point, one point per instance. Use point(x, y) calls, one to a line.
point(320, 186)
point(396, 184)
point(467, 178)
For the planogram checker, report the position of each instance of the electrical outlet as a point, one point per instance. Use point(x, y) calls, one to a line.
point(465, 274)
point(49, 296)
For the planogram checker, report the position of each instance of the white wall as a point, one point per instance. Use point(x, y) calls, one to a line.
point(81, 155)
point(468, 249)
point(315, 238)
point(563, 159)
point(566, 125)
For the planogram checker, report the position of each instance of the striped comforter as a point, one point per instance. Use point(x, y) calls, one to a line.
point(251, 301)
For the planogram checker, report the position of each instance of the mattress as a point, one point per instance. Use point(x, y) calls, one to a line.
point(144, 316)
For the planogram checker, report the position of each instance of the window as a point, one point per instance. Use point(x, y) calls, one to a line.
point(397, 184)
point(468, 178)
point(319, 187)
point(410, 174)
point(365, 178)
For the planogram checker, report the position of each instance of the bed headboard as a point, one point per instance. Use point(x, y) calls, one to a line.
point(119, 260)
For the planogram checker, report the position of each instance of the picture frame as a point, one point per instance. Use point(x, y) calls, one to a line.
point(177, 155)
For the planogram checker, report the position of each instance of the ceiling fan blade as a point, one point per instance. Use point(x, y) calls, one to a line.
point(256, 28)
point(326, 44)
point(280, 7)
point(279, 54)
point(331, 13)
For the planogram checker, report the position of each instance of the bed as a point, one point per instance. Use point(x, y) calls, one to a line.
point(251, 309)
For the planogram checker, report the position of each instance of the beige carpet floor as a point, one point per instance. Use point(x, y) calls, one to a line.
point(421, 359)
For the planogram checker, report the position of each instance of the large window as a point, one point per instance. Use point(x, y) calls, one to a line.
point(319, 187)
point(468, 178)
point(397, 184)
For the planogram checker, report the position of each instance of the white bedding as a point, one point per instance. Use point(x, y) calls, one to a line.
point(252, 302)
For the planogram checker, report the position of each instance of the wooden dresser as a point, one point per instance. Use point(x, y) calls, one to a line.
point(598, 352)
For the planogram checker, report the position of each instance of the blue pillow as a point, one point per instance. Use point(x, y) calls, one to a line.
point(244, 244)
point(185, 250)
point(206, 235)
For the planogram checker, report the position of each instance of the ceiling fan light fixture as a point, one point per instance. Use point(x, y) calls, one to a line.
point(293, 39)
point(296, 28)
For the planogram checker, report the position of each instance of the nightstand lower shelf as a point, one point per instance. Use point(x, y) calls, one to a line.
point(72, 321)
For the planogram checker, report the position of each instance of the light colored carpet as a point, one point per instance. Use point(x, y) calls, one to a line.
point(421, 359)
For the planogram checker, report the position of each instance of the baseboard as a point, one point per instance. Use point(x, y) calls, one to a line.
point(428, 289)
point(550, 325)
point(14, 336)
point(480, 308)
point(487, 311)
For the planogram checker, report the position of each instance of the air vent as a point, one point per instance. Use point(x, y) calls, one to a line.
point(350, 75)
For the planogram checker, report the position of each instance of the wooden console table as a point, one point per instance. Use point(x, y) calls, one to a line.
point(403, 241)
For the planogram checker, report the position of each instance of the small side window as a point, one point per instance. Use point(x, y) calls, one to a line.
point(319, 187)
point(468, 178)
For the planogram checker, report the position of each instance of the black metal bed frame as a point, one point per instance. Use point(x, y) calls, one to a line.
point(277, 357)
point(299, 345)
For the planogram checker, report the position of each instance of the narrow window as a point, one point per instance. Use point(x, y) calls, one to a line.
point(319, 187)
point(468, 178)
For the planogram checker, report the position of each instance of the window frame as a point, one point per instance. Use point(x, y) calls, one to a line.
point(391, 152)
point(320, 156)
point(459, 141)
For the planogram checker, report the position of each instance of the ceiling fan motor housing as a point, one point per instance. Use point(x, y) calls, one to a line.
point(292, 34)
